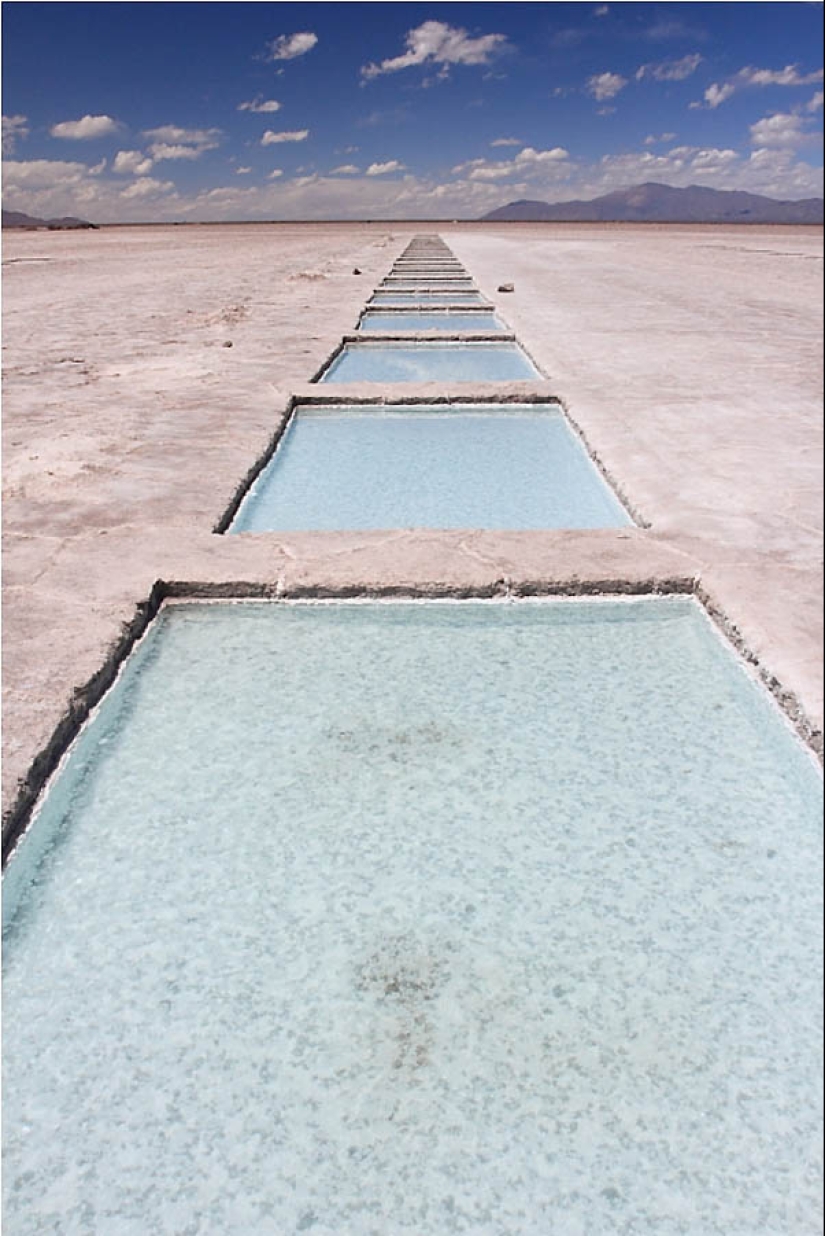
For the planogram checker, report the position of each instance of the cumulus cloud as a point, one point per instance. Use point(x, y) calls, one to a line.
point(789, 76)
point(814, 104)
point(528, 162)
point(275, 173)
point(15, 129)
point(242, 171)
point(529, 155)
point(436, 43)
point(147, 186)
point(653, 139)
point(601, 11)
point(42, 173)
point(506, 141)
point(605, 85)
point(290, 46)
point(382, 169)
point(260, 105)
point(670, 70)
point(132, 161)
point(782, 129)
point(161, 150)
point(170, 141)
point(715, 94)
point(346, 169)
point(273, 139)
point(751, 76)
point(85, 129)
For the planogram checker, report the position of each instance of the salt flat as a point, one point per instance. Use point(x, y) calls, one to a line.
point(690, 358)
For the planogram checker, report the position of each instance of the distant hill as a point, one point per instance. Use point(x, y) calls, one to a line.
point(16, 218)
point(654, 203)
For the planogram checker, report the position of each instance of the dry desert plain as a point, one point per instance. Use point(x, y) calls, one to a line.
point(690, 357)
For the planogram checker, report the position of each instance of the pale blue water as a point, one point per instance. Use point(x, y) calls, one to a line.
point(438, 281)
point(430, 321)
point(412, 298)
point(430, 362)
point(488, 918)
point(430, 467)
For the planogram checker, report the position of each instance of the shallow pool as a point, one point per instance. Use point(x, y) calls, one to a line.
point(388, 322)
point(427, 297)
point(436, 466)
point(421, 918)
point(430, 362)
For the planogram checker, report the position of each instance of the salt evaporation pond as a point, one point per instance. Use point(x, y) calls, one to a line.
point(429, 466)
point(426, 918)
point(486, 361)
point(389, 322)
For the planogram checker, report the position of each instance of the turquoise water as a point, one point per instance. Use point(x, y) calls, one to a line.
point(495, 918)
point(430, 467)
point(430, 321)
point(430, 362)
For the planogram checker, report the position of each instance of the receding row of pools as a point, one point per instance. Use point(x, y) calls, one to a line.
point(432, 916)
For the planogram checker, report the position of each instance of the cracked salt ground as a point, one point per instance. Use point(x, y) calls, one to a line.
point(525, 942)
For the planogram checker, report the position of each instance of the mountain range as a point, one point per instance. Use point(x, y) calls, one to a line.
point(655, 203)
point(16, 218)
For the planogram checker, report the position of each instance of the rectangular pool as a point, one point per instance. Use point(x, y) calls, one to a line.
point(434, 361)
point(422, 918)
point(429, 466)
point(484, 320)
point(427, 297)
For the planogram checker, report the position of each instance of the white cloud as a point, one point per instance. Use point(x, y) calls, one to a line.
point(273, 139)
point(814, 104)
point(15, 129)
point(653, 139)
point(382, 169)
point(751, 76)
point(782, 129)
point(506, 141)
point(174, 135)
point(670, 70)
point(529, 155)
point(716, 94)
point(98, 169)
point(86, 128)
point(436, 43)
point(42, 173)
point(160, 150)
point(275, 173)
point(132, 161)
point(260, 105)
point(528, 162)
point(147, 186)
point(289, 46)
point(789, 76)
point(346, 169)
point(242, 171)
point(605, 85)
point(601, 11)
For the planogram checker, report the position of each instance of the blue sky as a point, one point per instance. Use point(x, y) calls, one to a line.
point(129, 112)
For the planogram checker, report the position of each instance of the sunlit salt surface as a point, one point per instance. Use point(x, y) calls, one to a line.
point(497, 918)
point(484, 321)
point(430, 362)
point(436, 466)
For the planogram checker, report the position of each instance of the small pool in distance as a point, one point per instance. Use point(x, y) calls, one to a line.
point(389, 322)
point(426, 919)
point(427, 298)
point(432, 361)
point(429, 466)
